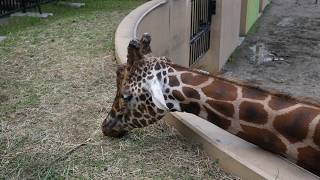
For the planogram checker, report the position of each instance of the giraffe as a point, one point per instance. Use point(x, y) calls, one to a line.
point(149, 87)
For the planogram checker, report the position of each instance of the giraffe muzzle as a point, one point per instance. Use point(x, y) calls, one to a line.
point(110, 128)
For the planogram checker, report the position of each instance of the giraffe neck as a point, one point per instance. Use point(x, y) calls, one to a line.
point(276, 123)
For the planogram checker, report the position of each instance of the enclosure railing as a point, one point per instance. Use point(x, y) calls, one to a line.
point(8, 7)
point(201, 12)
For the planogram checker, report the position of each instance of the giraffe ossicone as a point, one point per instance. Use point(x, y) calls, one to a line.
point(148, 87)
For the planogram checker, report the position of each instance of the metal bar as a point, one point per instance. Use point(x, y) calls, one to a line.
point(24, 6)
point(199, 34)
point(197, 15)
point(200, 29)
point(202, 10)
point(192, 17)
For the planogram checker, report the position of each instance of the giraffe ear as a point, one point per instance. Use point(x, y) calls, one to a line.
point(157, 96)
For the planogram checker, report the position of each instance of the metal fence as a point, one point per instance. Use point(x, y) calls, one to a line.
point(201, 12)
point(10, 6)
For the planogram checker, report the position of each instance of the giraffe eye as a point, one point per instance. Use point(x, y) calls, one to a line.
point(126, 97)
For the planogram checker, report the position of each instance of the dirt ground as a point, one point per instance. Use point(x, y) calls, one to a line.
point(290, 36)
point(57, 83)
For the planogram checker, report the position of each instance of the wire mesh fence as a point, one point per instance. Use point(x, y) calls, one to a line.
point(8, 7)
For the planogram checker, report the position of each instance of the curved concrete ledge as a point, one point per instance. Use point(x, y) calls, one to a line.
point(235, 155)
point(127, 29)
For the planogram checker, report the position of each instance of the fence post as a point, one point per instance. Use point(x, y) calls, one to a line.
point(24, 7)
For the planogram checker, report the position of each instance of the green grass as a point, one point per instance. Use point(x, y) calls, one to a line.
point(16, 24)
point(57, 83)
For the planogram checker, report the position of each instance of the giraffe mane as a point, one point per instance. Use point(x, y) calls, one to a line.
point(302, 99)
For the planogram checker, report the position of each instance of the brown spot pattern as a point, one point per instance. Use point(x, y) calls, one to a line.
point(141, 108)
point(317, 135)
point(253, 112)
point(309, 159)
point(164, 73)
point(171, 97)
point(137, 114)
point(173, 81)
point(136, 123)
point(177, 95)
point(151, 111)
point(163, 65)
point(133, 124)
point(263, 138)
point(224, 108)
point(194, 80)
point(169, 105)
point(160, 111)
point(157, 66)
point(143, 122)
point(190, 93)
point(159, 76)
point(253, 93)
point(153, 120)
point(295, 124)
point(146, 116)
point(191, 107)
point(150, 77)
point(142, 97)
point(221, 91)
point(217, 120)
point(278, 103)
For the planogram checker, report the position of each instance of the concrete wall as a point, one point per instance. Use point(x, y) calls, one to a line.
point(263, 4)
point(168, 21)
point(224, 35)
point(180, 23)
point(156, 22)
point(250, 11)
point(131, 27)
point(168, 25)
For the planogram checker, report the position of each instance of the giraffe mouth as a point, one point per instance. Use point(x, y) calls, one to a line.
point(109, 128)
point(114, 133)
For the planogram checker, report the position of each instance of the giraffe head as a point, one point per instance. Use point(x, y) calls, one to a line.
point(139, 100)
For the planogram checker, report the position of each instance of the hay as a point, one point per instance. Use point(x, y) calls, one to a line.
point(57, 84)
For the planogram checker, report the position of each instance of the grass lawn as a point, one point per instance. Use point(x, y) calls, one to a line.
point(57, 83)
